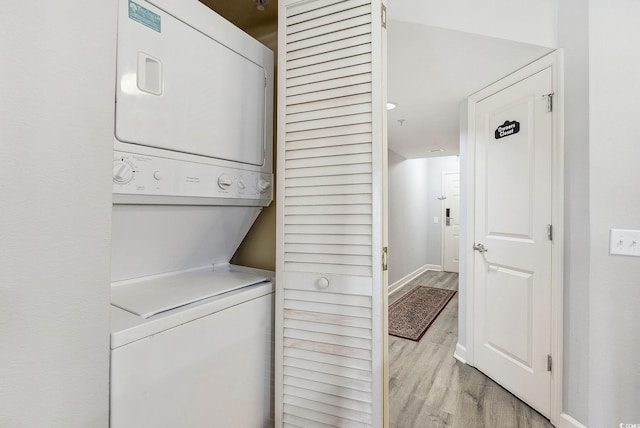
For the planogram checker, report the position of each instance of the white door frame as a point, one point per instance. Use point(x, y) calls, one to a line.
point(554, 60)
point(442, 219)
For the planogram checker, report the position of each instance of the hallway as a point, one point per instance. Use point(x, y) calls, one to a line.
point(429, 388)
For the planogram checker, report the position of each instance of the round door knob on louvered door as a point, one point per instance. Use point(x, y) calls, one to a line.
point(323, 283)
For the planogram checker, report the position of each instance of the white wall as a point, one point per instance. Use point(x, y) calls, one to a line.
point(523, 21)
point(435, 167)
point(407, 215)
point(614, 134)
point(573, 38)
point(56, 131)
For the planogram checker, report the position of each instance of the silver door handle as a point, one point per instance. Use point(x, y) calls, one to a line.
point(480, 248)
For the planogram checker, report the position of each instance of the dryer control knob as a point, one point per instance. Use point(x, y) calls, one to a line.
point(122, 172)
point(263, 185)
point(224, 182)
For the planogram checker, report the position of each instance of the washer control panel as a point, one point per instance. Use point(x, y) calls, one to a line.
point(135, 174)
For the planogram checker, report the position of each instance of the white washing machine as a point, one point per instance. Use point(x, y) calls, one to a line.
point(191, 336)
point(192, 350)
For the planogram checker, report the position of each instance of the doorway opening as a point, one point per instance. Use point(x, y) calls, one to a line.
point(410, 139)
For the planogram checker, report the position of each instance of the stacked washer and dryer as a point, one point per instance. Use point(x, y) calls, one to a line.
point(191, 340)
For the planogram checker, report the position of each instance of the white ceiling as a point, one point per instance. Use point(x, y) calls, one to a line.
point(431, 71)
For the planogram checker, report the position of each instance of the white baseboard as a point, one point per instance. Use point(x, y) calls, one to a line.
point(567, 421)
point(460, 353)
point(407, 279)
point(396, 286)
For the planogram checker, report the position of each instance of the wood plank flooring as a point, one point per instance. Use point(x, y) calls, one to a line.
point(429, 388)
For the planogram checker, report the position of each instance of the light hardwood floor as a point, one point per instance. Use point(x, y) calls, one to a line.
point(429, 388)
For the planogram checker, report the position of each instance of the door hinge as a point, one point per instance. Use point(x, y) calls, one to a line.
point(550, 232)
point(549, 101)
point(385, 251)
point(549, 363)
point(384, 16)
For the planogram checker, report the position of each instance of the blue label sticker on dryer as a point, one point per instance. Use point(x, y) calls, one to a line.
point(144, 16)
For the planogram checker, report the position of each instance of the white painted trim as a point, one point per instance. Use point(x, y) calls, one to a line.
point(557, 263)
point(397, 286)
point(555, 60)
point(567, 421)
point(379, 298)
point(460, 353)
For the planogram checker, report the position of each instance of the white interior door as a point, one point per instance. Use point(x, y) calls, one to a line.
point(331, 291)
point(451, 221)
point(512, 262)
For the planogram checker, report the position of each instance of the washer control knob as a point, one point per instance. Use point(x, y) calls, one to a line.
point(323, 283)
point(263, 185)
point(122, 172)
point(224, 182)
point(241, 184)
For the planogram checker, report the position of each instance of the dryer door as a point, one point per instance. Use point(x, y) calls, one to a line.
point(181, 90)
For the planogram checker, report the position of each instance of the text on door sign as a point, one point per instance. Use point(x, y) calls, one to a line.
point(507, 128)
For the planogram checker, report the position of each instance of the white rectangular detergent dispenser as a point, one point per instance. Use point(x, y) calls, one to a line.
point(191, 339)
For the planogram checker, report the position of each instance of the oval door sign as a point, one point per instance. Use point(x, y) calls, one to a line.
point(507, 128)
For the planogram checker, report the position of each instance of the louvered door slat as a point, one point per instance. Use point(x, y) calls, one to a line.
point(362, 98)
point(333, 319)
point(348, 219)
point(325, 388)
point(334, 131)
point(329, 409)
point(333, 37)
point(363, 250)
point(326, 60)
point(346, 189)
point(335, 142)
point(313, 356)
point(308, 416)
point(328, 113)
point(347, 230)
point(346, 403)
point(312, 200)
point(347, 149)
point(303, 11)
point(330, 328)
point(313, 30)
point(322, 86)
point(329, 239)
point(330, 339)
point(325, 66)
point(349, 119)
point(324, 15)
point(325, 48)
point(327, 209)
point(330, 180)
point(330, 94)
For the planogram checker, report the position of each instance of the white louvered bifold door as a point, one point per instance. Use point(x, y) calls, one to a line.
point(330, 300)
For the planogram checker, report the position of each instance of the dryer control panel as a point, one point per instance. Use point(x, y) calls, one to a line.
point(144, 179)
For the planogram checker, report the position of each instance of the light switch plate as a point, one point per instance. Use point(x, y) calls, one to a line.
point(625, 242)
point(435, 220)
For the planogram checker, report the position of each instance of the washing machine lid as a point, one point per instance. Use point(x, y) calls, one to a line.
point(150, 297)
